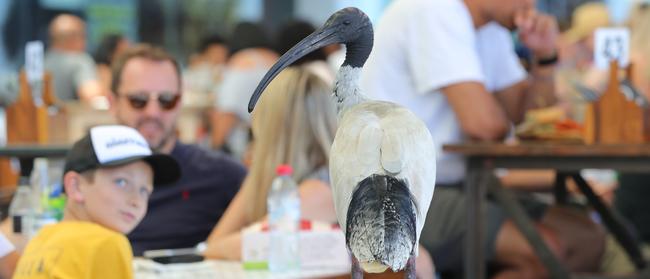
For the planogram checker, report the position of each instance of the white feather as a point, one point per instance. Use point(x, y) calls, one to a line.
point(346, 90)
point(376, 137)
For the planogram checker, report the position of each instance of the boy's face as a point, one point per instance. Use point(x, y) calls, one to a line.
point(117, 197)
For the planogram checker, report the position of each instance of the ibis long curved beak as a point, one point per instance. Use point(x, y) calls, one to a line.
point(320, 38)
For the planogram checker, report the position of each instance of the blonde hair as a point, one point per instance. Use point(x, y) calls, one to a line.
point(294, 123)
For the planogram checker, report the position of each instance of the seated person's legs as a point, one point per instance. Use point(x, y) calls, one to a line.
point(516, 255)
point(446, 225)
point(445, 228)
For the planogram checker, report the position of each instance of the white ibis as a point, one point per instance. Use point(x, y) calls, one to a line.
point(382, 162)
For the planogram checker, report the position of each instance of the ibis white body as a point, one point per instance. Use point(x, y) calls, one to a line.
point(382, 161)
point(376, 137)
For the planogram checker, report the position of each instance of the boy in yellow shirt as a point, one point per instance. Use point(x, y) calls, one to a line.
point(108, 177)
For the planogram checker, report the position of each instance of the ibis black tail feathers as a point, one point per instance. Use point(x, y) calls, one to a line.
point(381, 223)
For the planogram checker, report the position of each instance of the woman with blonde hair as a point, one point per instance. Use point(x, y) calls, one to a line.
point(294, 123)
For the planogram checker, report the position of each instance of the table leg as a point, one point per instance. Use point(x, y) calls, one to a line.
point(559, 189)
point(475, 188)
point(613, 223)
point(527, 228)
point(26, 166)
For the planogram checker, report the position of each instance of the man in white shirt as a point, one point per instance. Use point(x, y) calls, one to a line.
point(452, 63)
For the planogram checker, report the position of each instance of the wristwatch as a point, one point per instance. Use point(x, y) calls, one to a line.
point(552, 60)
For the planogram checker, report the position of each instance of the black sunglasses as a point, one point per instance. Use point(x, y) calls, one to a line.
point(139, 100)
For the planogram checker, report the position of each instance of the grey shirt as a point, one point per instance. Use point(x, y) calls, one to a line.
point(69, 71)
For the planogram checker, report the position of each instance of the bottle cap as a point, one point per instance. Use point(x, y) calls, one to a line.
point(284, 170)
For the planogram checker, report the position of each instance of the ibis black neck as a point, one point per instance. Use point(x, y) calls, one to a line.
point(357, 51)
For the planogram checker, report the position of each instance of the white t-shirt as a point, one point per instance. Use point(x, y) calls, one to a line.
point(422, 46)
point(233, 95)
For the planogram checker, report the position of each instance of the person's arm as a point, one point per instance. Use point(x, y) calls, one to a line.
point(19, 241)
point(8, 258)
point(104, 76)
point(316, 201)
point(90, 92)
point(539, 33)
point(224, 117)
point(89, 89)
point(478, 112)
point(224, 241)
point(8, 265)
point(222, 123)
point(536, 92)
point(446, 59)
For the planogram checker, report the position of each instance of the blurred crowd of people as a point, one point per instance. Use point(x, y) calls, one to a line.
point(453, 63)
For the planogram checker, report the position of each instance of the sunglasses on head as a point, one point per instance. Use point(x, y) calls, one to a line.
point(166, 100)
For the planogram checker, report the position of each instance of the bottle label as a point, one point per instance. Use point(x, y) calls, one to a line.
point(18, 224)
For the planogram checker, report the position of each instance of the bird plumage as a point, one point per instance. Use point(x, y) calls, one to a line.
point(382, 138)
point(381, 220)
point(382, 161)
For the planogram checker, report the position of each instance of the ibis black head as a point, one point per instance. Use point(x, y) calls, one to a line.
point(349, 26)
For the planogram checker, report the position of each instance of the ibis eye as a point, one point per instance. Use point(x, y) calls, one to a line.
point(347, 22)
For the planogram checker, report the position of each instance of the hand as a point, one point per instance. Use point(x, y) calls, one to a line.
point(538, 32)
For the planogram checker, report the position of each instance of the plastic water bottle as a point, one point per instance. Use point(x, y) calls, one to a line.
point(39, 180)
point(283, 205)
point(41, 189)
point(22, 213)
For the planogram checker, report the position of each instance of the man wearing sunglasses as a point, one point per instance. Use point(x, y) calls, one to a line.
point(146, 95)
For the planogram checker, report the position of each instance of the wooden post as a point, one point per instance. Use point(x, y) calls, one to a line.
point(646, 124)
point(26, 123)
point(589, 130)
point(633, 117)
point(609, 117)
point(8, 175)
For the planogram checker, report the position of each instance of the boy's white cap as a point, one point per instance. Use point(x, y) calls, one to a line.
point(114, 145)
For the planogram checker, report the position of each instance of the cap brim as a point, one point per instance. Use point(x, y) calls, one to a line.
point(165, 168)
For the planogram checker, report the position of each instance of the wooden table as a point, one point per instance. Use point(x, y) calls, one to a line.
point(145, 269)
point(567, 159)
point(34, 150)
point(210, 269)
point(26, 153)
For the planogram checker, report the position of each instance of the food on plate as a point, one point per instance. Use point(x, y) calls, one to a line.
point(549, 124)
